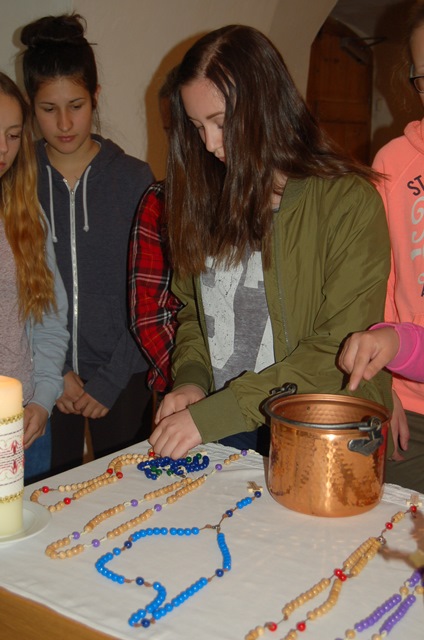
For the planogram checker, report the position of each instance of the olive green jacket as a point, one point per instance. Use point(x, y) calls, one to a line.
point(330, 262)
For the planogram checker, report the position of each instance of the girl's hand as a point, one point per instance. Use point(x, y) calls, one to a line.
point(178, 400)
point(175, 435)
point(35, 420)
point(89, 407)
point(73, 389)
point(365, 353)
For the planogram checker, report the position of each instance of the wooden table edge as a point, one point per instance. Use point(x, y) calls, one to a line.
point(28, 620)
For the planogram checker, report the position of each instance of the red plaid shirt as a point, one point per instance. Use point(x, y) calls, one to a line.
point(153, 308)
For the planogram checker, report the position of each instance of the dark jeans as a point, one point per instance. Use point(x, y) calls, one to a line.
point(409, 473)
point(127, 422)
point(258, 440)
point(38, 458)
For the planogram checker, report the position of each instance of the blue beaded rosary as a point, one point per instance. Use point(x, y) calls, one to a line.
point(154, 467)
point(157, 608)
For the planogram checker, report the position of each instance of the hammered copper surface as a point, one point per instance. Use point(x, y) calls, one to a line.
point(311, 470)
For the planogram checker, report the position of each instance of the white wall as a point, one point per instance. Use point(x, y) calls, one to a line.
point(14, 14)
point(138, 41)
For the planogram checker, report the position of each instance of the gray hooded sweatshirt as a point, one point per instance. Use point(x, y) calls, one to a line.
point(91, 227)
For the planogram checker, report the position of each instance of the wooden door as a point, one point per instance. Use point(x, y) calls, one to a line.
point(340, 87)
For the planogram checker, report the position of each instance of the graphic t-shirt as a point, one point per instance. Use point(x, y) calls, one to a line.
point(237, 318)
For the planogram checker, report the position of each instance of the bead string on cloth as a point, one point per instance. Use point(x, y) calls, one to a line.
point(178, 489)
point(351, 568)
point(153, 467)
point(157, 608)
point(114, 473)
point(402, 600)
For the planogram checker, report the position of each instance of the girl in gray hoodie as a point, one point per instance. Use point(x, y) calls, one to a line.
point(89, 189)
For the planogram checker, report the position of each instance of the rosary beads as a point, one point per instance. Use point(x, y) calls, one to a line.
point(113, 473)
point(402, 600)
point(351, 568)
point(153, 468)
point(158, 608)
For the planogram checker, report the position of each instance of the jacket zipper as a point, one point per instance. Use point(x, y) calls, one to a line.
point(74, 276)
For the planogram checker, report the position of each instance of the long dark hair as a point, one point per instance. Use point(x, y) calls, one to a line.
point(220, 211)
point(56, 47)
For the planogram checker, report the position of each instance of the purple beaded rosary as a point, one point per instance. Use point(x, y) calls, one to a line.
point(157, 608)
point(351, 568)
point(403, 601)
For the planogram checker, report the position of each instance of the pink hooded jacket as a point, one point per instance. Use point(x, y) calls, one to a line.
point(402, 161)
point(409, 361)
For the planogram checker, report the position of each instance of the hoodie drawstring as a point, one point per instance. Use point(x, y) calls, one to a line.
point(84, 198)
point(52, 224)
point(84, 201)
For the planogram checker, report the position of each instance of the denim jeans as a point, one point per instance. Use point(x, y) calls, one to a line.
point(38, 457)
point(258, 440)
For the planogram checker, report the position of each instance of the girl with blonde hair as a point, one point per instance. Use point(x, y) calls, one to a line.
point(33, 334)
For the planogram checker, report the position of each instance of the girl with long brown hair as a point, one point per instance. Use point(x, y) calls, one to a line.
point(279, 245)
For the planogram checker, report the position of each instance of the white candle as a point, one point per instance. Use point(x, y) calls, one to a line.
point(11, 456)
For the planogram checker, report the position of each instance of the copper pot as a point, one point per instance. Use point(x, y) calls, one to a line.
point(327, 452)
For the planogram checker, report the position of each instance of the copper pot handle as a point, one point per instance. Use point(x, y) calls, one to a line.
point(286, 389)
point(367, 446)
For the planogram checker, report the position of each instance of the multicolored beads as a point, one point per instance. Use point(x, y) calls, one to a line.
point(351, 568)
point(113, 473)
point(155, 466)
point(403, 600)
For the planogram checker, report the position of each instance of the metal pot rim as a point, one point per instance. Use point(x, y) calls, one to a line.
point(372, 410)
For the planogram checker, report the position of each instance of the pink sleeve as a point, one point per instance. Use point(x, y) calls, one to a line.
point(409, 361)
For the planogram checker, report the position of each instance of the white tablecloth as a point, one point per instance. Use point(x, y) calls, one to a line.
point(276, 554)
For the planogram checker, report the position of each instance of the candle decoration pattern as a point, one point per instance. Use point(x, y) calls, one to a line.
point(11, 456)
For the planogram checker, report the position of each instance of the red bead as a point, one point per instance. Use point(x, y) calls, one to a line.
point(45, 489)
point(109, 471)
point(342, 576)
point(152, 454)
point(301, 626)
point(67, 501)
point(389, 525)
point(271, 626)
point(413, 508)
point(338, 572)
point(119, 474)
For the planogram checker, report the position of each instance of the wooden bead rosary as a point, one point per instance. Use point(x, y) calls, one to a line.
point(351, 568)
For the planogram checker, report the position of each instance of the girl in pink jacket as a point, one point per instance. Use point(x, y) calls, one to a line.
point(399, 347)
point(401, 161)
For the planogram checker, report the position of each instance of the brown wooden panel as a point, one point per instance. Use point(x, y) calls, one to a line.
point(340, 87)
point(341, 111)
point(354, 137)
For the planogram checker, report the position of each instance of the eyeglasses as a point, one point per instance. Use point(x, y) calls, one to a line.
point(416, 81)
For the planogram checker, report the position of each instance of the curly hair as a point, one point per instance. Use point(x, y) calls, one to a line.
point(25, 228)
